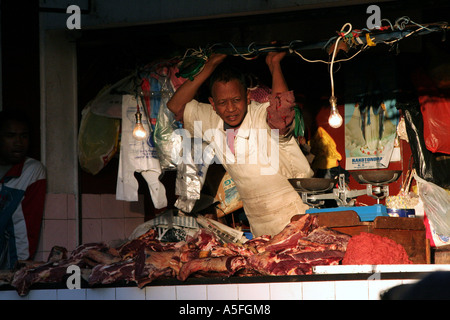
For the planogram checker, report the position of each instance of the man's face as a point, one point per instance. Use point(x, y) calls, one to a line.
point(14, 141)
point(230, 101)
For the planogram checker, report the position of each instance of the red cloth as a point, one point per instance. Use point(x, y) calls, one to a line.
point(280, 112)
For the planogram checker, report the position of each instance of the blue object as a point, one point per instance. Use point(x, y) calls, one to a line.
point(404, 213)
point(366, 213)
point(248, 235)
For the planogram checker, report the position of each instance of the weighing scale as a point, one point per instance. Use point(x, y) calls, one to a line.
point(314, 192)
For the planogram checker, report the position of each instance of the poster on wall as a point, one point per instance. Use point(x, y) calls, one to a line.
point(371, 116)
point(370, 132)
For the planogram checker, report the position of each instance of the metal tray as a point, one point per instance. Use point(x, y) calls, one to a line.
point(314, 185)
point(376, 177)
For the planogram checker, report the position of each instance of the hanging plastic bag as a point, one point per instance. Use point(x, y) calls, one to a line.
point(436, 203)
point(436, 115)
point(227, 196)
point(165, 139)
point(151, 96)
point(108, 102)
point(325, 150)
point(435, 109)
point(191, 175)
point(299, 130)
point(429, 166)
point(98, 140)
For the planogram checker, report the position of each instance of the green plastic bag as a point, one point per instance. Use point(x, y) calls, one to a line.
point(98, 140)
point(299, 130)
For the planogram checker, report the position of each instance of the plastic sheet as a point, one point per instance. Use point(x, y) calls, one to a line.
point(436, 203)
point(170, 227)
point(191, 176)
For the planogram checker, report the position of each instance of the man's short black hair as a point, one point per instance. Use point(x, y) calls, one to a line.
point(14, 115)
point(226, 73)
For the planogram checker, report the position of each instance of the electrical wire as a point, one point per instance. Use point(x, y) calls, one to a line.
point(328, 62)
point(351, 37)
point(401, 24)
point(343, 34)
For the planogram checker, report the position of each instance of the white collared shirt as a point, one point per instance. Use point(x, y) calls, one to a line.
point(260, 165)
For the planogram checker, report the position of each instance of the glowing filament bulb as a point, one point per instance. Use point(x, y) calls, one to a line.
point(139, 132)
point(335, 119)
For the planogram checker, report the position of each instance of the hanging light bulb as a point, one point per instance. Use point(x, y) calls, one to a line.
point(335, 119)
point(139, 132)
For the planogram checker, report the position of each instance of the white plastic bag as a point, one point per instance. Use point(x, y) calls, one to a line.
point(436, 203)
point(137, 156)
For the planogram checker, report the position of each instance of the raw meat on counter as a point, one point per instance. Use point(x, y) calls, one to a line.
point(218, 266)
point(294, 251)
point(54, 271)
point(299, 247)
point(368, 248)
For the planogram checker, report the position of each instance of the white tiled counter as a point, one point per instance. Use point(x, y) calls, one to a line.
point(364, 282)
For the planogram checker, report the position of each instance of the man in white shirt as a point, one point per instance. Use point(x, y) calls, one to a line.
point(253, 141)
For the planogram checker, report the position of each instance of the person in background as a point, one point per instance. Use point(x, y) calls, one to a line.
point(22, 192)
point(269, 200)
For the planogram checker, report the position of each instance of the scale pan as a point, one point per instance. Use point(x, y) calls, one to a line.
point(376, 177)
point(313, 184)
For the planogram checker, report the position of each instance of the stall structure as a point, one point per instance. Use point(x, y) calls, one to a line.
point(363, 282)
point(350, 250)
point(350, 259)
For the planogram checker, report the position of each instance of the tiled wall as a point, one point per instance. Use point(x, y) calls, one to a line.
point(59, 226)
point(320, 290)
point(106, 219)
point(103, 219)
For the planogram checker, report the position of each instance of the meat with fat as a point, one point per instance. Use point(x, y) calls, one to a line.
point(57, 253)
point(325, 235)
point(204, 240)
point(270, 263)
point(55, 271)
point(218, 266)
point(316, 258)
point(165, 264)
point(52, 272)
point(111, 273)
point(301, 245)
point(290, 235)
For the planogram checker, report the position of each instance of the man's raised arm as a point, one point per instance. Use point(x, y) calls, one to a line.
point(280, 113)
point(273, 61)
point(186, 92)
